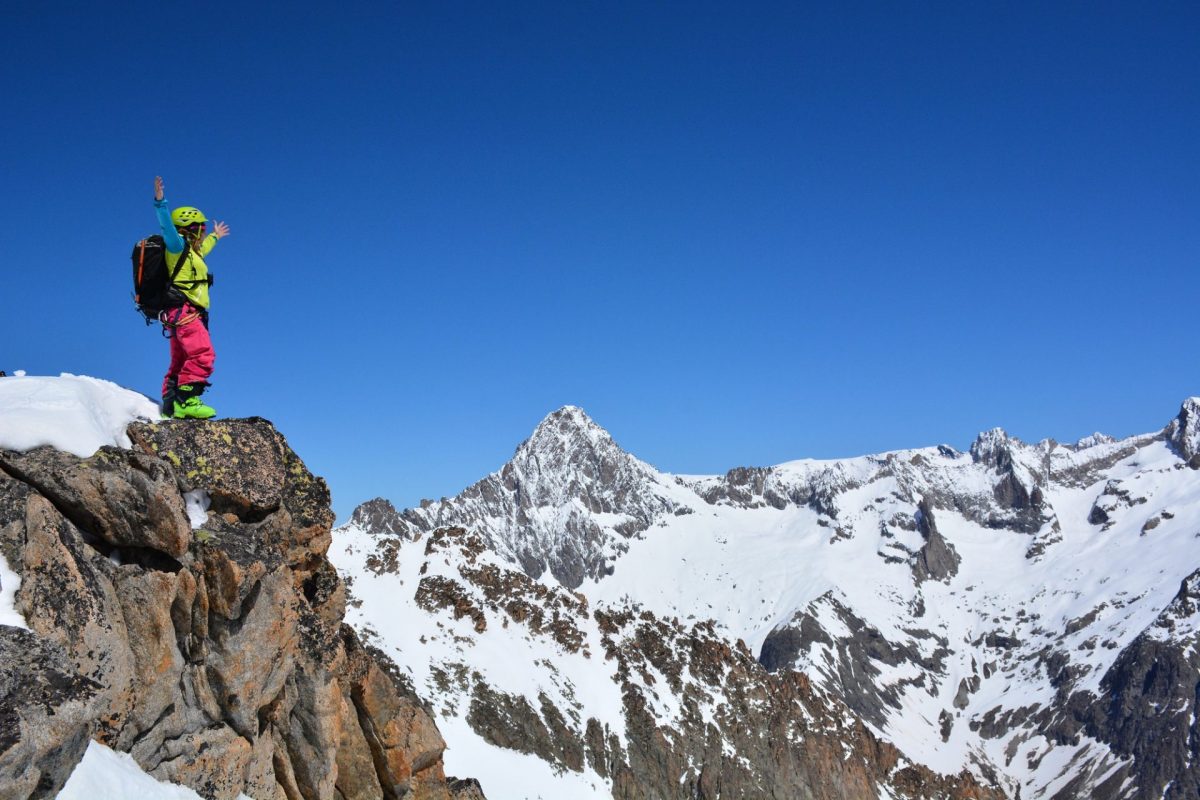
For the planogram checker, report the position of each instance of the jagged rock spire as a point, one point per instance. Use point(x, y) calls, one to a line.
point(993, 447)
point(1184, 431)
point(378, 516)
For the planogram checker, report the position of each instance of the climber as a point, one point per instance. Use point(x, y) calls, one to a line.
point(186, 323)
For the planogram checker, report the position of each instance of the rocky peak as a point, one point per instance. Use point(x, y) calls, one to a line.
point(567, 459)
point(568, 430)
point(568, 456)
point(995, 448)
point(211, 647)
point(378, 516)
point(1184, 431)
point(564, 503)
point(1022, 470)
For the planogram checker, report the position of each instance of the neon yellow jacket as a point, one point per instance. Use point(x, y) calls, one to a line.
point(192, 279)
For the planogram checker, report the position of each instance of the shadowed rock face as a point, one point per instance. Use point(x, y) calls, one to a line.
point(46, 713)
point(1184, 432)
point(379, 516)
point(217, 657)
point(1148, 708)
point(937, 559)
point(859, 652)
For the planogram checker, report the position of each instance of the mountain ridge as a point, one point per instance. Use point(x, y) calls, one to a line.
point(907, 566)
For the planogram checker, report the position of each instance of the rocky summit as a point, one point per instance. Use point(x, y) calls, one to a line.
point(181, 609)
point(1014, 620)
point(554, 507)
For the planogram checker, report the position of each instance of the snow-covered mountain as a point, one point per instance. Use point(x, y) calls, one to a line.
point(566, 503)
point(1026, 613)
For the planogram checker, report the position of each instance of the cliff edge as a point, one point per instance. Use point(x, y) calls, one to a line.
point(181, 608)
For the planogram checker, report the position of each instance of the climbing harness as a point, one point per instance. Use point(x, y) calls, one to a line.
point(173, 318)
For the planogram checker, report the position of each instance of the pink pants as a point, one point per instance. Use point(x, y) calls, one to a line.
point(192, 353)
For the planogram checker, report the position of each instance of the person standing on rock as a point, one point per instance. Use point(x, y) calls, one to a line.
point(186, 324)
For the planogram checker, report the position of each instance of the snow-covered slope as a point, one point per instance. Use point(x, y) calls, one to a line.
point(542, 694)
point(76, 414)
point(1000, 610)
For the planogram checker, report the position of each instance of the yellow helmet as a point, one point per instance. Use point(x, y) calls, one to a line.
point(186, 215)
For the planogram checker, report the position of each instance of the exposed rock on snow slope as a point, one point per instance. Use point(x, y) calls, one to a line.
point(612, 701)
point(1015, 611)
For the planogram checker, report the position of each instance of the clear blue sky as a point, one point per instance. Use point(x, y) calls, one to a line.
point(736, 234)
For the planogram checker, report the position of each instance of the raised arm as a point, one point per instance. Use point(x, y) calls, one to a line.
point(170, 236)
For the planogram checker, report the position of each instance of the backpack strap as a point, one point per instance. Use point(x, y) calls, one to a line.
point(183, 256)
point(175, 298)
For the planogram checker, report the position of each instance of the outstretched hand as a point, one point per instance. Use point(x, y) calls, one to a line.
point(158, 188)
point(221, 230)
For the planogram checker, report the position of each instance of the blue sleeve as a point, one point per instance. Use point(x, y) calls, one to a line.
point(171, 236)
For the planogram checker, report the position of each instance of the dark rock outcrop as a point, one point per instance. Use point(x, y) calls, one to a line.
point(466, 789)
point(937, 559)
point(1017, 493)
point(855, 657)
point(379, 516)
point(47, 715)
point(1184, 432)
point(217, 657)
point(1148, 709)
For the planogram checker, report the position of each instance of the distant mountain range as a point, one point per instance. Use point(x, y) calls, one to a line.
point(1019, 620)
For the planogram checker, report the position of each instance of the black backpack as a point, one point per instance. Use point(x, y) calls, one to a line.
point(154, 289)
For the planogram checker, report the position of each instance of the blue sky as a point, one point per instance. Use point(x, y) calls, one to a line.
point(736, 234)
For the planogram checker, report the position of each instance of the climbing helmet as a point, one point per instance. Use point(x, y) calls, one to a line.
point(184, 216)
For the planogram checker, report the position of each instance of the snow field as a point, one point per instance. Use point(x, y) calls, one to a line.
point(508, 774)
point(72, 413)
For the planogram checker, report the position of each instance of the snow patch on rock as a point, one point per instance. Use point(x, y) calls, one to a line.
point(73, 413)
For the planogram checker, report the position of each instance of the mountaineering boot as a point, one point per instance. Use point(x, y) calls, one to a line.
point(168, 398)
point(187, 403)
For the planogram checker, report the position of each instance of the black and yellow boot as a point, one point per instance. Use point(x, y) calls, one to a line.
point(187, 403)
point(168, 399)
